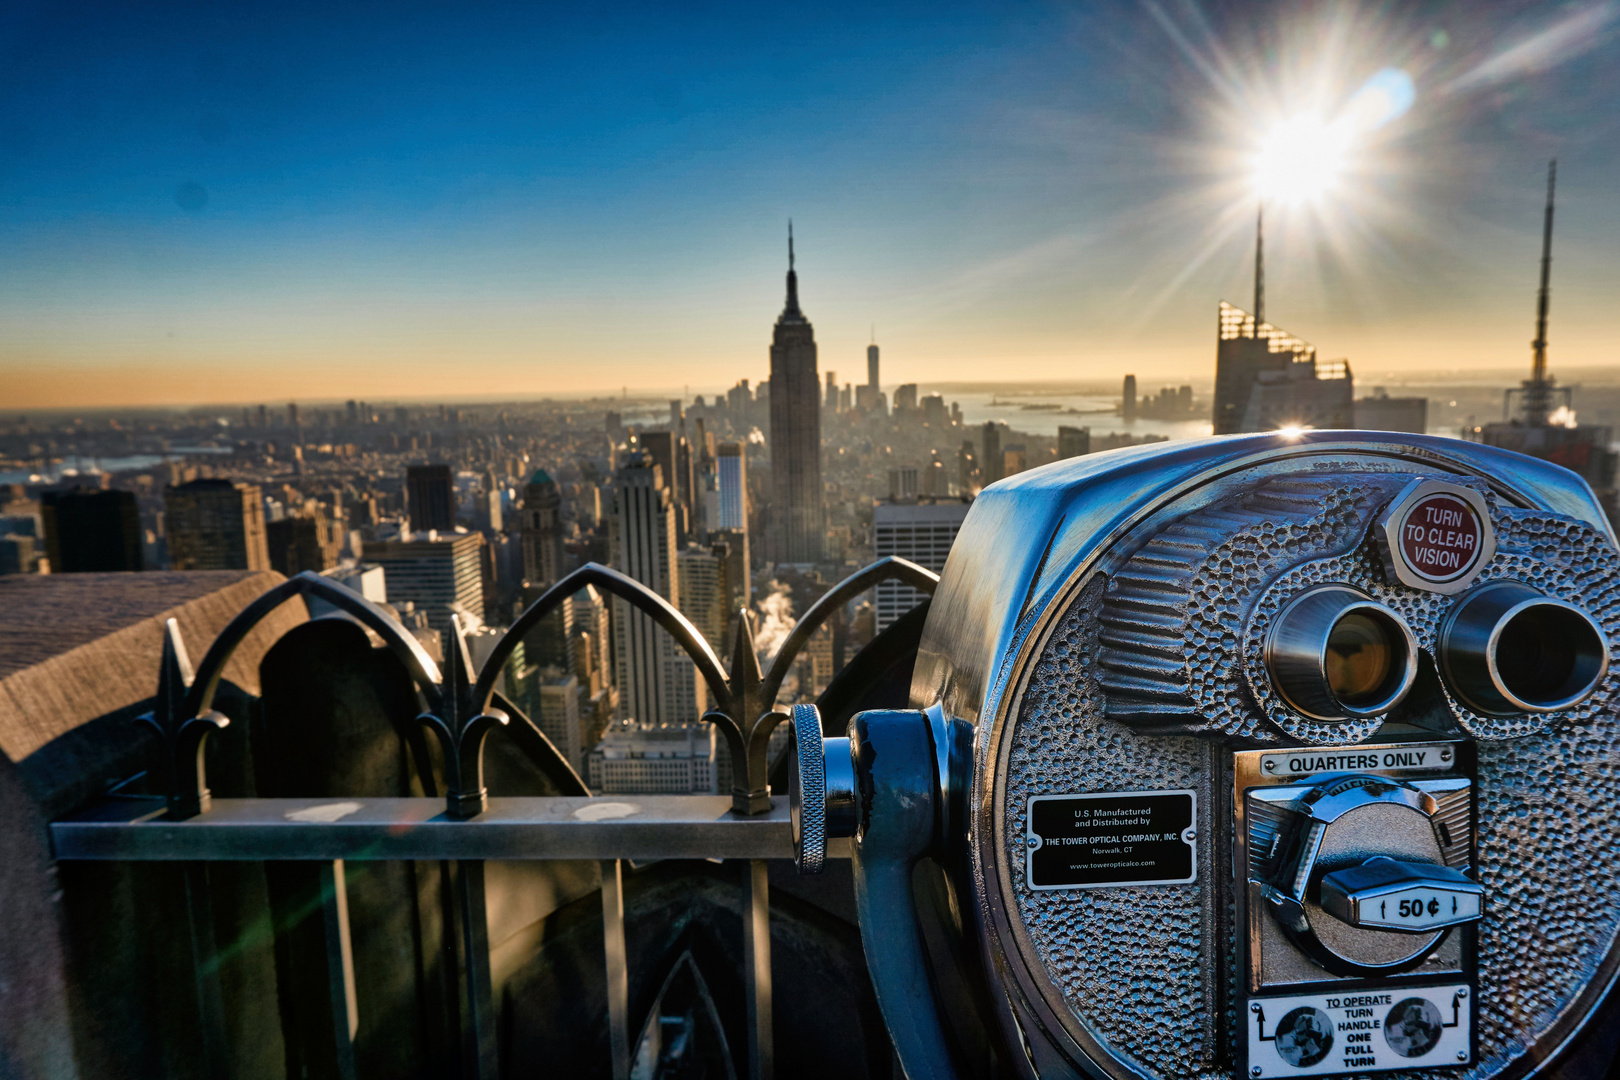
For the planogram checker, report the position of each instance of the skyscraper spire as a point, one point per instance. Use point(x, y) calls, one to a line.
point(791, 311)
point(799, 522)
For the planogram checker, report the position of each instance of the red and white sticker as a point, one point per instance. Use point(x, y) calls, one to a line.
point(1440, 537)
point(1436, 536)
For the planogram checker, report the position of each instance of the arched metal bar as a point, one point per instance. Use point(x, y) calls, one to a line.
point(399, 640)
point(885, 569)
point(627, 589)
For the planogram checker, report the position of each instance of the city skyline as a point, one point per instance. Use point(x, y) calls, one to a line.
point(505, 205)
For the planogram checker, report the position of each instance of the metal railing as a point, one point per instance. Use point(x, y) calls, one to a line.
point(187, 826)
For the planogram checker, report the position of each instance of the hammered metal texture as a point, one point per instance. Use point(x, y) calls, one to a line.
point(1134, 965)
point(1174, 617)
point(1130, 962)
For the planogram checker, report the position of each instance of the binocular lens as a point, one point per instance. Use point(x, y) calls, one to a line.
point(1508, 649)
point(1360, 656)
point(1334, 653)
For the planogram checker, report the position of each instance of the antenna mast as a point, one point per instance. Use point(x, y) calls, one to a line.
point(1260, 264)
point(1538, 390)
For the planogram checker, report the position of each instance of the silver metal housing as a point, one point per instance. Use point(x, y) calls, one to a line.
point(1125, 982)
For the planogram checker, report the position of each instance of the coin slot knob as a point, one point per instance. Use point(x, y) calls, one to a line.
point(1409, 897)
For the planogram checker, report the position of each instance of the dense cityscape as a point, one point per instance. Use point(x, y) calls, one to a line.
point(472, 511)
point(754, 500)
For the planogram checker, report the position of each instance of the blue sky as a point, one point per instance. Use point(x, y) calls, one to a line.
point(210, 203)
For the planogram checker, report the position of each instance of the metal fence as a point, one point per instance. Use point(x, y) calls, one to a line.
point(468, 825)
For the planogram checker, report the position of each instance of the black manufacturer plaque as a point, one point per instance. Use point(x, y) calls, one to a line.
point(1112, 838)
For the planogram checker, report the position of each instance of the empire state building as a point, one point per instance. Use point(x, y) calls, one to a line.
point(796, 431)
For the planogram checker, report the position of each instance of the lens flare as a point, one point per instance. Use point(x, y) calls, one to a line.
point(1384, 97)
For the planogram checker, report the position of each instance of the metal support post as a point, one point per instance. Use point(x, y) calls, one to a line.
point(757, 968)
point(618, 971)
point(480, 1045)
point(205, 967)
point(339, 966)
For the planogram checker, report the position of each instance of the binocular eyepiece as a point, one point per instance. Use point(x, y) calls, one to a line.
point(1335, 653)
point(1505, 649)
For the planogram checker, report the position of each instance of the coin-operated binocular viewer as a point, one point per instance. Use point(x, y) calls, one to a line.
point(1252, 757)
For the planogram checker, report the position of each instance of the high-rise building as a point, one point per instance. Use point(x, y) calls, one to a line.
point(487, 503)
point(541, 530)
point(795, 432)
point(1015, 459)
point(814, 665)
point(655, 679)
point(921, 532)
point(304, 540)
point(703, 594)
point(1073, 442)
point(431, 490)
point(905, 398)
point(558, 716)
point(990, 460)
point(17, 554)
point(89, 530)
point(214, 524)
point(831, 404)
point(967, 468)
point(740, 402)
point(732, 466)
point(869, 397)
point(673, 456)
point(441, 573)
point(1384, 413)
point(1265, 379)
point(736, 585)
point(934, 412)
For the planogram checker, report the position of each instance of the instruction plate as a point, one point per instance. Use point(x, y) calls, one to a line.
point(1112, 838)
point(1361, 1031)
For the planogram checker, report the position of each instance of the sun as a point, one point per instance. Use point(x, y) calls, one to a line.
point(1301, 159)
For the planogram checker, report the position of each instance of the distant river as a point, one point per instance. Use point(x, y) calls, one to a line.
point(1096, 412)
point(85, 466)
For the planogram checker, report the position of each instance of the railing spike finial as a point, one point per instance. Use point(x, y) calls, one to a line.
point(183, 738)
point(750, 793)
point(462, 729)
